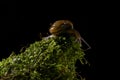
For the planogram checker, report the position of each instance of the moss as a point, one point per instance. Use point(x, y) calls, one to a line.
point(48, 59)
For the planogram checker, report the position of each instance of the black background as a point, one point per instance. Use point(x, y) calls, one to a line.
point(21, 24)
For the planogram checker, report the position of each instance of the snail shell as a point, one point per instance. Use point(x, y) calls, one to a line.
point(60, 26)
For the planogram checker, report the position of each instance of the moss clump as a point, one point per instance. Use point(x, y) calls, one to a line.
point(49, 59)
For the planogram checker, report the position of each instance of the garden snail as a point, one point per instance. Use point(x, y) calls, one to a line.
point(66, 26)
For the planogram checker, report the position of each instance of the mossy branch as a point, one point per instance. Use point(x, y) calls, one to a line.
point(49, 59)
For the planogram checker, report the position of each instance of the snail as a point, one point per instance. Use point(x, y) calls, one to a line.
point(66, 26)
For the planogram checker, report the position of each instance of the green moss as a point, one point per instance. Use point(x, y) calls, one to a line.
point(48, 59)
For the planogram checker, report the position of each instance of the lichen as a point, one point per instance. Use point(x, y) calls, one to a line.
point(49, 59)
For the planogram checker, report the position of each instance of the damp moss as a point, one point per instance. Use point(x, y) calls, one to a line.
point(49, 59)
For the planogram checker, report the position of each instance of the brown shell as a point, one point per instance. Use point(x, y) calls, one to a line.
point(56, 27)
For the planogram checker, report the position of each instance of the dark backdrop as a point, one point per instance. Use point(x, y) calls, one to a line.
point(22, 25)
